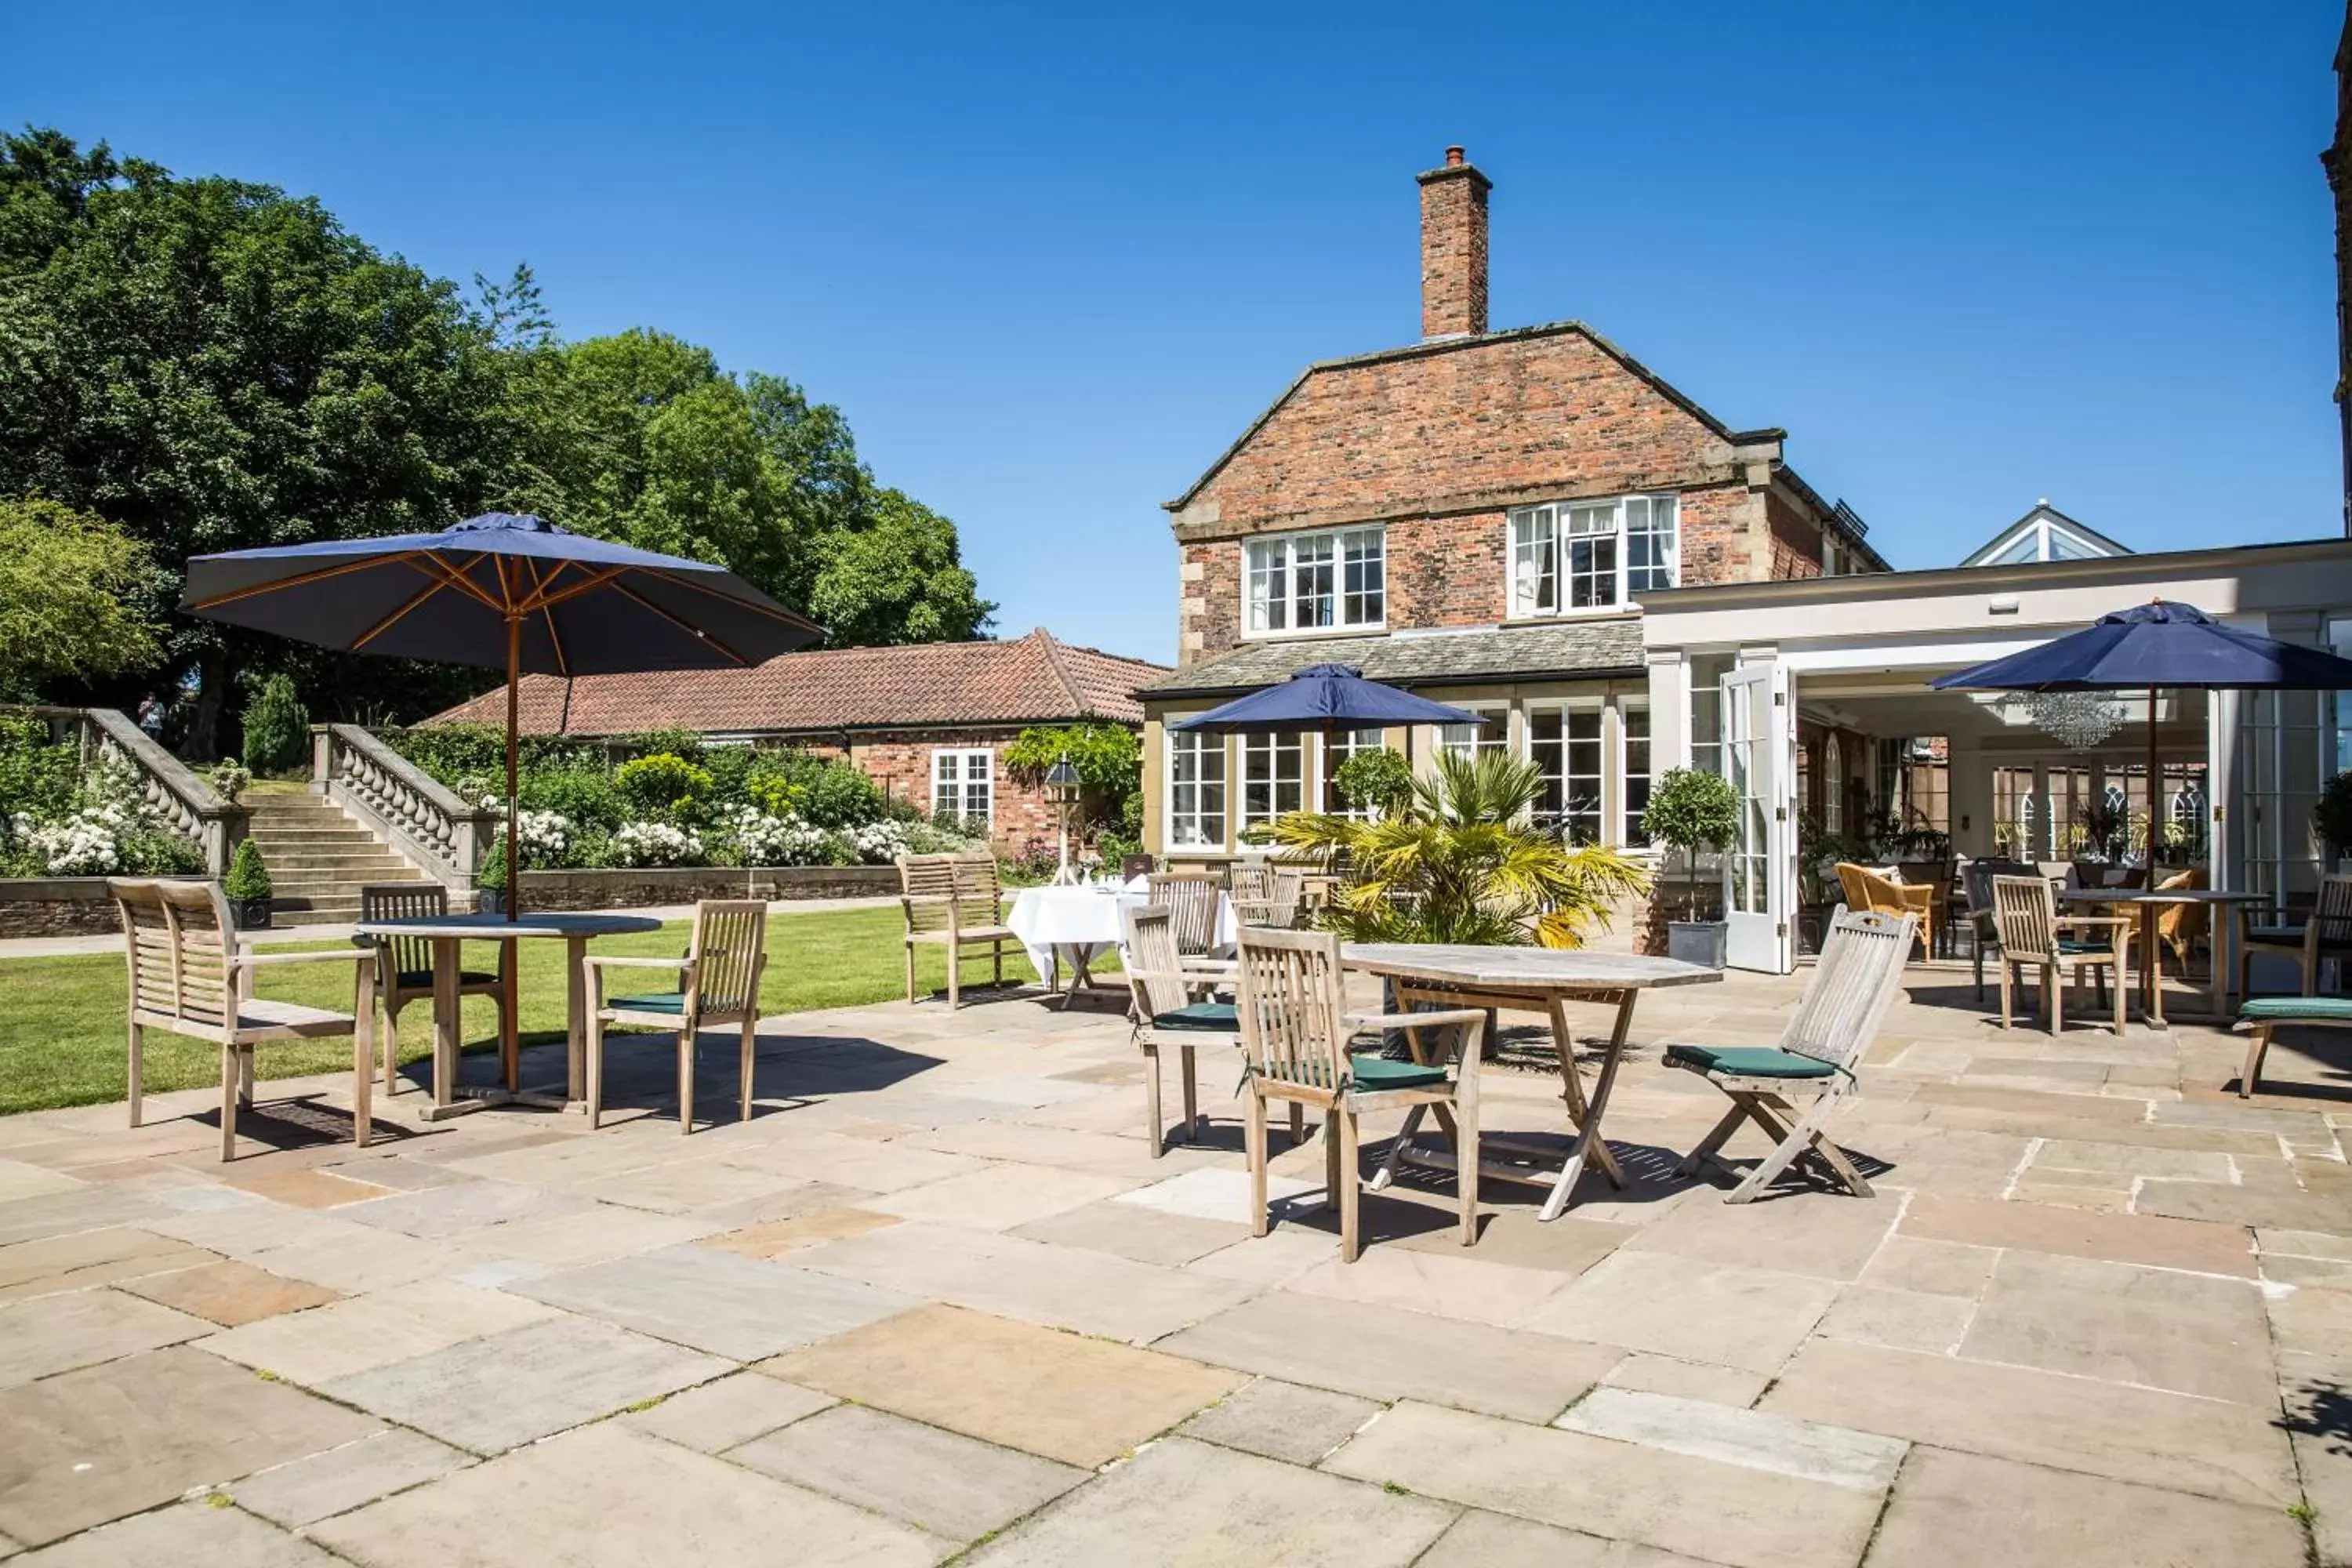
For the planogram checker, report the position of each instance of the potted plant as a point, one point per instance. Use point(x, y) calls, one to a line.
point(246, 888)
point(2333, 815)
point(490, 881)
point(1690, 811)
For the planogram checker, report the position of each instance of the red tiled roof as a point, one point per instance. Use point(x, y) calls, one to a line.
point(1032, 679)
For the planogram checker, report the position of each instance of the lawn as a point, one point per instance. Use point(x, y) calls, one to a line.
point(61, 1019)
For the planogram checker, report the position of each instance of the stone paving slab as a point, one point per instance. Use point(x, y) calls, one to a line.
point(341, 1480)
point(1687, 1380)
point(42, 1335)
point(83, 1208)
point(90, 1258)
point(1752, 1438)
point(1285, 1420)
point(1483, 1539)
point(1191, 1505)
point(2052, 1519)
point(2157, 1242)
point(719, 1416)
point(2159, 1328)
point(606, 1497)
point(1125, 1231)
point(1753, 1319)
point(365, 1332)
point(229, 1293)
point(776, 1237)
point(1058, 1395)
point(309, 1189)
point(489, 1394)
point(1905, 1320)
point(955, 1486)
point(730, 1305)
point(1829, 1237)
point(1381, 1352)
point(191, 1534)
point(597, 1235)
point(106, 1441)
point(1453, 1284)
point(446, 1212)
point(999, 1196)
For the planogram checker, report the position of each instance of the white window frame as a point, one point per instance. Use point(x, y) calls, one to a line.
point(1347, 568)
point(1630, 810)
point(1467, 740)
point(1190, 820)
point(963, 780)
point(1275, 749)
point(1543, 572)
point(1589, 713)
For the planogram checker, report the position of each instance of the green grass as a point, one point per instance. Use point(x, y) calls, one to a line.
point(61, 1019)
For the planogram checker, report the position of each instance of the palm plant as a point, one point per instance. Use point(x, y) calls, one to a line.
point(1460, 860)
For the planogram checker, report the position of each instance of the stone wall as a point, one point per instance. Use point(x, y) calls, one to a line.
point(646, 887)
point(56, 906)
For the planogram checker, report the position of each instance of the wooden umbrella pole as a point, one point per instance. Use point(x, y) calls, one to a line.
point(514, 706)
point(2148, 967)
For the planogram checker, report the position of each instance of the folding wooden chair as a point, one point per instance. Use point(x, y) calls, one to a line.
point(1854, 982)
point(1268, 896)
point(718, 982)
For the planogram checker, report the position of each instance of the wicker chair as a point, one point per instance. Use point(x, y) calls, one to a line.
point(191, 975)
point(404, 971)
point(2181, 927)
point(2325, 933)
point(2034, 934)
point(1867, 890)
point(1191, 899)
point(956, 902)
point(718, 983)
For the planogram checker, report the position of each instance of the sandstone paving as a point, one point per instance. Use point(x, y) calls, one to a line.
point(364, 1261)
point(1182, 1504)
point(1454, 1284)
point(82, 1208)
point(367, 1331)
point(716, 1416)
point(488, 1394)
point(1124, 1230)
point(722, 1302)
point(1931, 1268)
point(1059, 1395)
point(774, 1237)
point(90, 1258)
point(2051, 1518)
point(594, 1235)
point(1662, 1302)
point(229, 1293)
point(1803, 1450)
point(999, 1196)
point(19, 1180)
point(111, 1440)
point(2157, 1241)
point(184, 1536)
point(339, 1479)
point(1704, 1508)
point(607, 1497)
point(955, 1486)
point(446, 1212)
point(309, 1189)
point(1687, 1379)
point(1829, 1236)
point(1907, 1319)
point(42, 1335)
point(2158, 1328)
point(1285, 1421)
point(1483, 1539)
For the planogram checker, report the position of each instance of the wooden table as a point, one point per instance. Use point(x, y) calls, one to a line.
point(2151, 964)
point(446, 931)
point(1532, 980)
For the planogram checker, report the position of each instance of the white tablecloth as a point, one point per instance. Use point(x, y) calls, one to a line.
point(1086, 920)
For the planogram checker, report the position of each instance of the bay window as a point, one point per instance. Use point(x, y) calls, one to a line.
point(1196, 790)
point(1313, 582)
point(1593, 555)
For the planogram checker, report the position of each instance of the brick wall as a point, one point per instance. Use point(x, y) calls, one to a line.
point(1796, 539)
point(900, 761)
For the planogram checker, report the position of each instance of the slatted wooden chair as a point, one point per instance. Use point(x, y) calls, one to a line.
point(2034, 935)
point(1266, 895)
point(2324, 933)
point(1854, 982)
point(404, 963)
point(191, 975)
point(1864, 888)
point(718, 983)
point(1976, 887)
point(1295, 1035)
point(953, 902)
point(1173, 1005)
point(1191, 899)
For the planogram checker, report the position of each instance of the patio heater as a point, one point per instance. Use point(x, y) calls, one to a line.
point(1062, 789)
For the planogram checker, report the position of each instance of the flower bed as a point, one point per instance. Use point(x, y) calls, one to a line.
point(61, 818)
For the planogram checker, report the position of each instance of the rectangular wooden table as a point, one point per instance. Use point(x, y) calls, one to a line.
point(1533, 980)
point(445, 932)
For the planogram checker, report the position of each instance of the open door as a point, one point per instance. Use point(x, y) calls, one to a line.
point(1759, 868)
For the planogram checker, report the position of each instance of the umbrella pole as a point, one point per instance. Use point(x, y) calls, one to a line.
point(2151, 973)
point(514, 680)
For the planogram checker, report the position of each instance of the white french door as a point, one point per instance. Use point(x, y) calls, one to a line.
point(1759, 868)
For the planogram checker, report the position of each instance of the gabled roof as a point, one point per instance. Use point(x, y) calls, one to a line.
point(1587, 648)
point(1032, 679)
point(2084, 542)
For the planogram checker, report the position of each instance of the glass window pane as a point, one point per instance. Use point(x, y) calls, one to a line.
point(1636, 724)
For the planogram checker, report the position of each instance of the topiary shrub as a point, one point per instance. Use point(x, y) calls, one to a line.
point(277, 727)
point(1374, 780)
point(1690, 810)
point(248, 877)
point(664, 785)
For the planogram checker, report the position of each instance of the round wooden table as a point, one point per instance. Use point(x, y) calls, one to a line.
point(1532, 980)
point(445, 932)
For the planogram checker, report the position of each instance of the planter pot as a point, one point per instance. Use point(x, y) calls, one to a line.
point(249, 914)
point(1697, 942)
point(490, 901)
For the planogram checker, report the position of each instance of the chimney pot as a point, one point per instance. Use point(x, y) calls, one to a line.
point(1454, 249)
point(1454, 157)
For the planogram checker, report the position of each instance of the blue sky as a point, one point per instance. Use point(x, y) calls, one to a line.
point(1051, 259)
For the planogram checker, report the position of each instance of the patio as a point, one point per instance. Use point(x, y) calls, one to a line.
point(935, 1299)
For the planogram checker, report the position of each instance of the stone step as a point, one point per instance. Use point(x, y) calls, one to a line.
point(325, 833)
point(358, 857)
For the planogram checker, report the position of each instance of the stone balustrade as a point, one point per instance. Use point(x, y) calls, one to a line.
point(422, 820)
point(182, 801)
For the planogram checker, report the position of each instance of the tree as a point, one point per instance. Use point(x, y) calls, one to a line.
point(898, 579)
point(77, 596)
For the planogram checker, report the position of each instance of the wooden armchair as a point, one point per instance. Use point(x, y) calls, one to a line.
point(404, 963)
point(1173, 1005)
point(953, 902)
point(2034, 934)
point(2325, 933)
point(1267, 895)
point(1295, 1035)
point(1867, 890)
point(1191, 899)
point(192, 974)
point(1976, 887)
point(718, 983)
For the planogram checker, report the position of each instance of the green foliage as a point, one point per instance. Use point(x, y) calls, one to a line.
point(493, 872)
point(2333, 815)
point(38, 778)
point(585, 793)
point(229, 780)
point(1108, 759)
point(1690, 810)
point(248, 877)
point(77, 597)
point(1379, 780)
point(837, 794)
point(1459, 861)
point(897, 577)
point(277, 727)
point(664, 785)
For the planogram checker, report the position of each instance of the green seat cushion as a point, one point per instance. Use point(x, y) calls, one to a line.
point(421, 979)
point(1370, 1074)
point(670, 1002)
point(2288, 1009)
point(2075, 948)
point(1212, 1017)
point(1746, 1061)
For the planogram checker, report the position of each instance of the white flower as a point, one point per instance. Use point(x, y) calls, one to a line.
point(655, 844)
point(783, 839)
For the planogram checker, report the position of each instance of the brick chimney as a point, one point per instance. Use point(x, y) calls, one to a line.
point(1454, 248)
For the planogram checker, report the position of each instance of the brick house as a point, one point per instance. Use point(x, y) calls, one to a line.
point(928, 723)
point(1475, 516)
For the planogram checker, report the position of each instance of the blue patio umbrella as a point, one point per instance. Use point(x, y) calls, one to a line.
point(501, 591)
point(1328, 696)
point(2155, 647)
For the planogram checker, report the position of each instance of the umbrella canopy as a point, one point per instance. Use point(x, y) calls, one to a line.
point(2159, 644)
point(1334, 696)
point(501, 591)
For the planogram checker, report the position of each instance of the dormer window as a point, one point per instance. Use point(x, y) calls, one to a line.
point(1593, 554)
point(1315, 582)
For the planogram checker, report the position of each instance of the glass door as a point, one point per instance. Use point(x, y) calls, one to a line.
point(1759, 878)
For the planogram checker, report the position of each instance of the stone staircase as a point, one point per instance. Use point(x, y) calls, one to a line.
point(319, 856)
